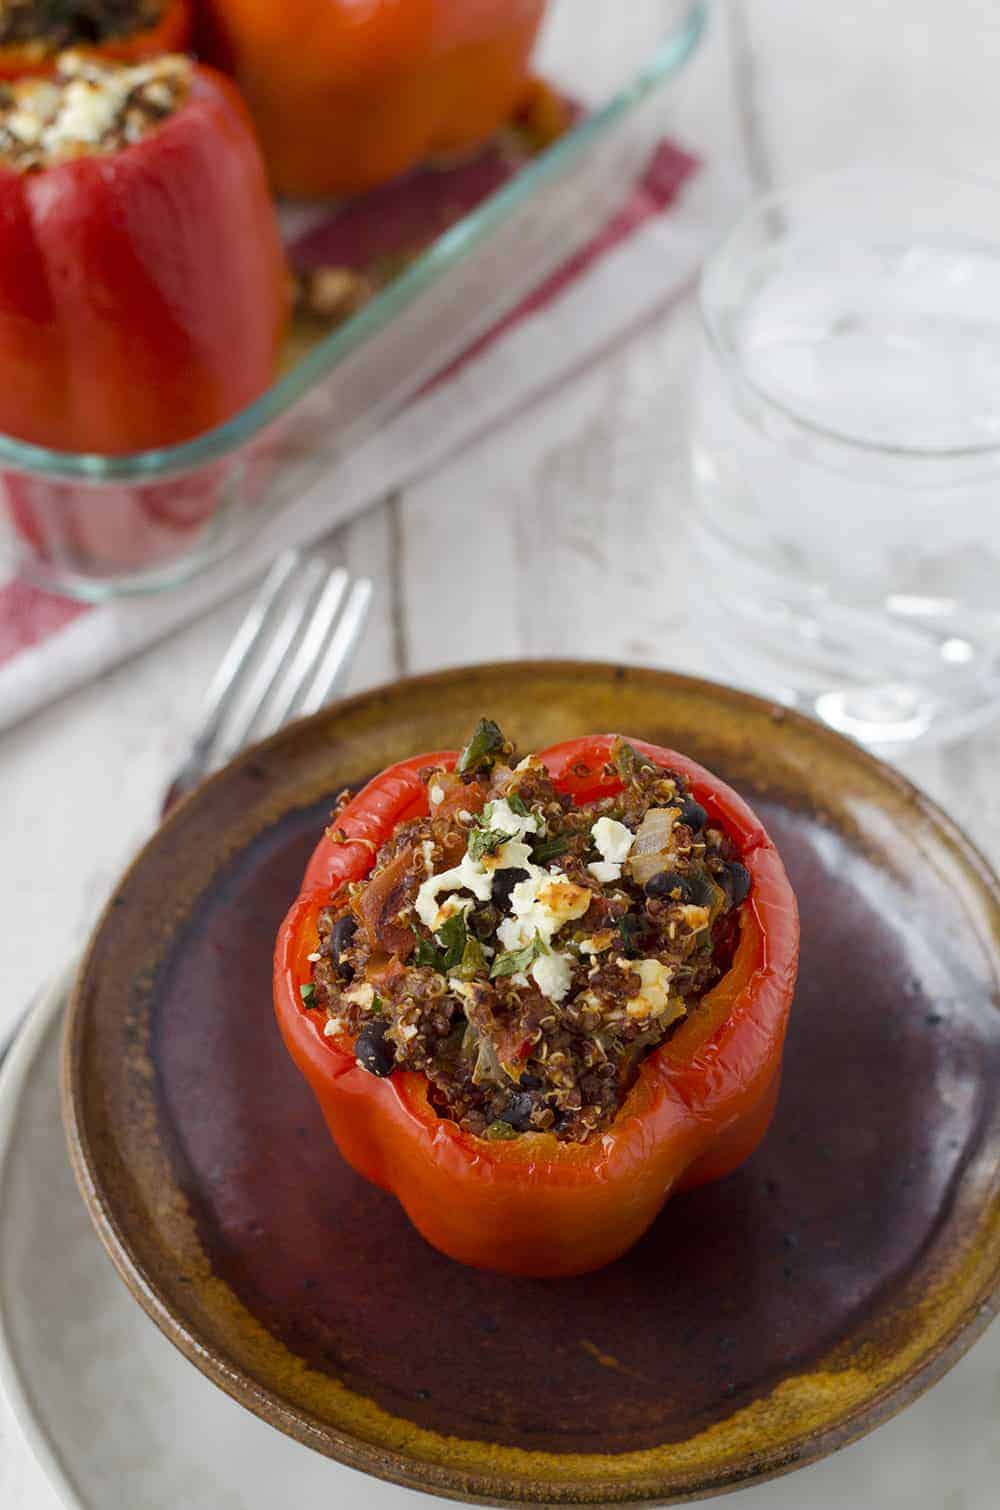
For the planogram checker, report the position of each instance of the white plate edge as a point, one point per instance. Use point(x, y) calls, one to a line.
point(13, 1074)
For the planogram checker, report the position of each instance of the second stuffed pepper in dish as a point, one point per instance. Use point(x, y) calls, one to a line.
point(536, 996)
point(347, 96)
point(142, 280)
point(33, 32)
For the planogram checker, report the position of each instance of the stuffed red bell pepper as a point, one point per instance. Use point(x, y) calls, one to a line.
point(536, 997)
point(142, 282)
point(33, 32)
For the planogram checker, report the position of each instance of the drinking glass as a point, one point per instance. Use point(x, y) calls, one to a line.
point(846, 454)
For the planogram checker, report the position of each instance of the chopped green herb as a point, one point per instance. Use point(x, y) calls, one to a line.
point(426, 954)
point(549, 849)
point(484, 748)
point(486, 841)
point(518, 959)
point(473, 961)
point(518, 805)
point(307, 992)
point(451, 937)
point(376, 1006)
point(629, 761)
point(499, 1132)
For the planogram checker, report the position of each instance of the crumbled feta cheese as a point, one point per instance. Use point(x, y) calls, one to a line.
point(552, 973)
point(25, 126)
point(500, 815)
point(86, 105)
point(333, 1027)
point(407, 1031)
point(514, 855)
point(542, 904)
point(312, 958)
point(87, 114)
point(158, 94)
point(653, 996)
point(436, 794)
point(361, 995)
point(469, 875)
point(450, 907)
point(595, 945)
point(465, 815)
point(614, 840)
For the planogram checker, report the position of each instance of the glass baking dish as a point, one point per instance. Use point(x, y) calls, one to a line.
point(94, 526)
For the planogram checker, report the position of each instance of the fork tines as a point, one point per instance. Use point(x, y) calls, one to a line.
point(289, 656)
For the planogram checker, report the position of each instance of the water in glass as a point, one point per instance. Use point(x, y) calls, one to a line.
point(846, 454)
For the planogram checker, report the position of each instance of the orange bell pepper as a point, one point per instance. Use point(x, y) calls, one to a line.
point(534, 1205)
point(170, 33)
point(347, 96)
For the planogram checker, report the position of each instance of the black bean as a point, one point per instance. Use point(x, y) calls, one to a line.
point(666, 883)
point(518, 1111)
point(372, 1052)
point(504, 882)
point(693, 814)
point(341, 935)
point(737, 882)
point(530, 1083)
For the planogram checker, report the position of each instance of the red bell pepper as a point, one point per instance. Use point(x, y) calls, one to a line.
point(534, 1205)
point(170, 32)
point(142, 290)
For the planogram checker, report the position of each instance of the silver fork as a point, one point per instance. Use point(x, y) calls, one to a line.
point(289, 657)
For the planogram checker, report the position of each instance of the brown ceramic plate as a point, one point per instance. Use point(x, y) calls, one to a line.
point(762, 1322)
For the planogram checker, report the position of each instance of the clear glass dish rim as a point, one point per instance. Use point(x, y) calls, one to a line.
point(771, 203)
point(213, 445)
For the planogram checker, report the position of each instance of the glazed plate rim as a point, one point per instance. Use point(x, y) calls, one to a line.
point(488, 1485)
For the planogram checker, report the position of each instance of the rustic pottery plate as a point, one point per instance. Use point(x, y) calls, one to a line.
point(761, 1323)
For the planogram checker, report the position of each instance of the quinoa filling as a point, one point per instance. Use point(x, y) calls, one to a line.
point(51, 25)
point(524, 953)
point(87, 107)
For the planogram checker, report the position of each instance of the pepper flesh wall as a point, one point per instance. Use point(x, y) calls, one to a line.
point(693, 1101)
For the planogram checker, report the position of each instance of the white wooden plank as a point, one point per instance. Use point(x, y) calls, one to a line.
point(367, 548)
point(570, 540)
point(839, 85)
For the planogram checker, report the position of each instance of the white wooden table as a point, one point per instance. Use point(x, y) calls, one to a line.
point(596, 472)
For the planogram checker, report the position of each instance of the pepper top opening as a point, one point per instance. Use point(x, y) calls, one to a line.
point(523, 952)
point(87, 106)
